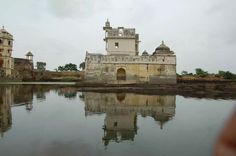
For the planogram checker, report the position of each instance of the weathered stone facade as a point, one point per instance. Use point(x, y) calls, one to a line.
point(122, 64)
point(24, 68)
point(6, 61)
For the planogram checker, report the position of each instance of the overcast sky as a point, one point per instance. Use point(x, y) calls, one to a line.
point(202, 33)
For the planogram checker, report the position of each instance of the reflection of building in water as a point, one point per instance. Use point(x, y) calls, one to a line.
point(122, 109)
point(68, 92)
point(23, 95)
point(119, 126)
point(6, 100)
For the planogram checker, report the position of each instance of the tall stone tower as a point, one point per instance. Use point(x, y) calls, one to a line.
point(121, 41)
point(6, 61)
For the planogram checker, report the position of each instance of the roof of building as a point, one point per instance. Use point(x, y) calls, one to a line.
point(163, 49)
point(145, 53)
point(5, 34)
point(29, 54)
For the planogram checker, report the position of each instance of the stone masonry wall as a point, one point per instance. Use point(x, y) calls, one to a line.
point(139, 69)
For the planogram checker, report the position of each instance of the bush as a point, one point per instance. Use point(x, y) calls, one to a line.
point(226, 75)
point(201, 73)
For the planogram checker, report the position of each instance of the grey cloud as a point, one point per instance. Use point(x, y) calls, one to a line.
point(65, 29)
point(75, 8)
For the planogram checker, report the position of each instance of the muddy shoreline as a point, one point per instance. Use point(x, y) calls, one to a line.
point(213, 90)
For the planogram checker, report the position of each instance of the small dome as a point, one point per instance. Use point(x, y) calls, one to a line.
point(29, 54)
point(145, 53)
point(163, 49)
point(5, 34)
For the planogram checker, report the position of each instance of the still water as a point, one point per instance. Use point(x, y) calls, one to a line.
point(56, 120)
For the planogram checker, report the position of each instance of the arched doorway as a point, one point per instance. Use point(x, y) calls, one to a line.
point(121, 74)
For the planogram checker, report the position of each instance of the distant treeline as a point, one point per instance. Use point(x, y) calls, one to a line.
point(201, 73)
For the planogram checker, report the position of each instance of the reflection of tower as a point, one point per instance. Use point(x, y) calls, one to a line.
point(165, 110)
point(23, 94)
point(6, 100)
point(29, 106)
point(119, 126)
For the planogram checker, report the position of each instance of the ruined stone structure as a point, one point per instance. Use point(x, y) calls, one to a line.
point(123, 64)
point(122, 109)
point(6, 60)
point(13, 68)
point(24, 67)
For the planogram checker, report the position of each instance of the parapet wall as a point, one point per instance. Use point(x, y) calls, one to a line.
point(157, 59)
point(138, 69)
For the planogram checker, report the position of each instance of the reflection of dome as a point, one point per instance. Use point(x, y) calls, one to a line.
point(163, 49)
point(120, 97)
point(145, 53)
point(5, 34)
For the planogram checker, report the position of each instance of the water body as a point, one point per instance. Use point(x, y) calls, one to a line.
point(57, 120)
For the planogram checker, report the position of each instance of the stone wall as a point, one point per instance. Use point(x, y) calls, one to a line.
point(125, 47)
point(23, 68)
point(138, 69)
point(58, 76)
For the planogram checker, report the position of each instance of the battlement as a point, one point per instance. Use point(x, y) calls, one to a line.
point(154, 59)
point(121, 32)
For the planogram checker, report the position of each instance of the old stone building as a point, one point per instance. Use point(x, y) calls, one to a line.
point(24, 67)
point(13, 68)
point(123, 64)
point(6, 60)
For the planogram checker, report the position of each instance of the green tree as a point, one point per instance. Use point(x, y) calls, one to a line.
point(71, 67)
point(68, 67)
point(200, 72)
point(184, 72)
point(41, 66)
point(82, 65)
point(226, 74)
point(61, 68)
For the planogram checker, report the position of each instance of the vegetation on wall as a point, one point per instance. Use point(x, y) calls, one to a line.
point(41, 66)
point(82, 65)
point(226, 74)
point(200, 73)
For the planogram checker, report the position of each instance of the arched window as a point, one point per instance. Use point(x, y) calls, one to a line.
point(121, 74)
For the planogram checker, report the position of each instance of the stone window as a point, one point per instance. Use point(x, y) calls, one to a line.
point(115, 124)
point(1, 50)
point(9, 42)
point(1, 41)
point(121, 31)
point(116, 45)
point(106, 69)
